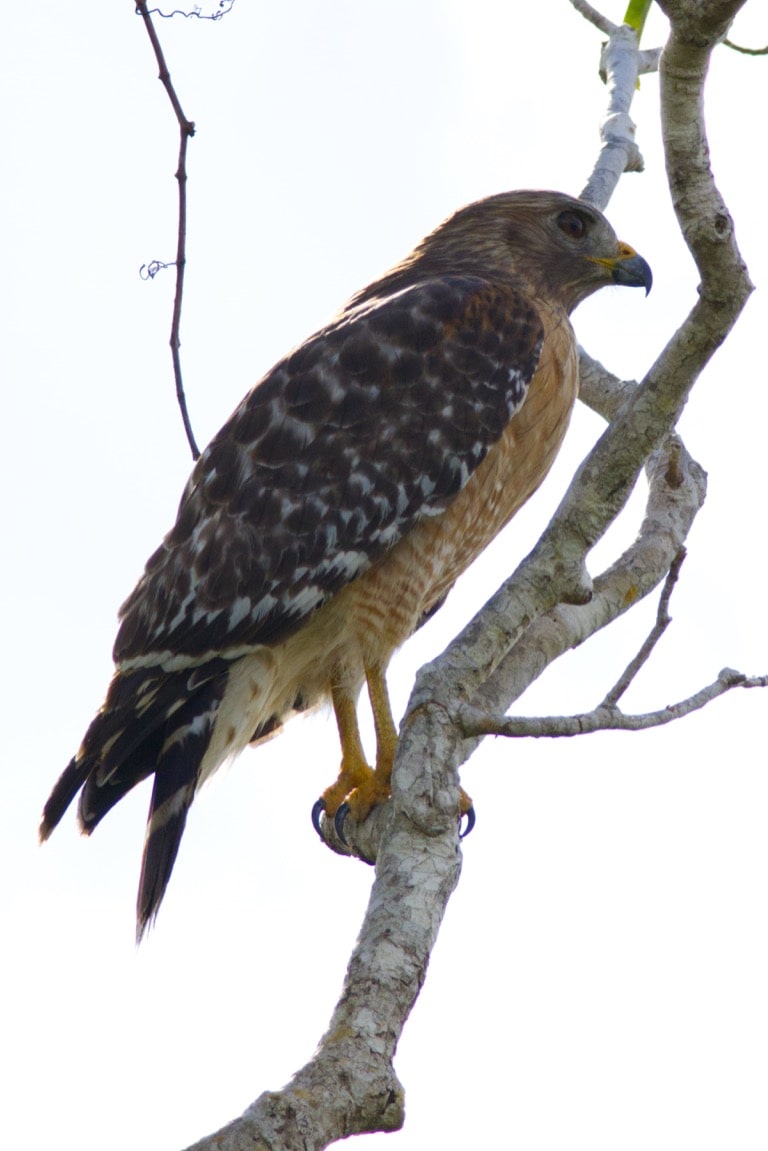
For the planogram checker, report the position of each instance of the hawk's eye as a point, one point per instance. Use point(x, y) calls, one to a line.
point(573, 224)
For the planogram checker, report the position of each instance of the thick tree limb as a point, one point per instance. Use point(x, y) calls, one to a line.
point(350, 1086)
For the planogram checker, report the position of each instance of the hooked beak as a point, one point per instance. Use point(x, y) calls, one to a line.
point(628, 269)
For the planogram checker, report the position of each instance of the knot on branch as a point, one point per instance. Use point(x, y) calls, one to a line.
point(723, 226)
point(578, 589)
point(618, 131)
point(618, 128)
point(673, 477)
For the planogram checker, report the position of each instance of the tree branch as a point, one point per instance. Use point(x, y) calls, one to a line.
point(605, 717)
point(604, 481)
point(350, 1086)
point(543, 608)
point(746, 51)
point(595, 17)
point(186, 130)
point(670, 511)
point(663, 620)
point(619, 69)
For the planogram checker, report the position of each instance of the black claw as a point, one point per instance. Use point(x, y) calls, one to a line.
point(470, 823)
point(318, 807)
point(338, 822)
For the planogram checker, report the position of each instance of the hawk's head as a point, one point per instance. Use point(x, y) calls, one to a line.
point(560, 247)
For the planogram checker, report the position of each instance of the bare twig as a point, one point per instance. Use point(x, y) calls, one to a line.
point(746, 51)
point(186, 129)
point(595, 17)
point(605, 717)
point(663, 620)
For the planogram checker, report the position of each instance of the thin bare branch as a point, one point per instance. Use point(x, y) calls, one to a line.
point(746, 51)
point(186, 130)
point(663, 620)
point(594, 17)
point(602, 718)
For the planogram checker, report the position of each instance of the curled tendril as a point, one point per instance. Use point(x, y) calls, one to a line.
point(224, 8)
point(150, 270)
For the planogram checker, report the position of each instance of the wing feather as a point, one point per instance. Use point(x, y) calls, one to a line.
point(373, 423)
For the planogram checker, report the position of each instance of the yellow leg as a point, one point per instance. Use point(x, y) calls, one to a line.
point(377, 786)
point(384, 724)
point(360, 786)
point(354, 768)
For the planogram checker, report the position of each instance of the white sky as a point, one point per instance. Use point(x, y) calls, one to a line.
point(599, 981)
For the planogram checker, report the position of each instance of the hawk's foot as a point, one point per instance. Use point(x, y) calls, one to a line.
point(360, 802)
point(361, 807)
point(358, 789)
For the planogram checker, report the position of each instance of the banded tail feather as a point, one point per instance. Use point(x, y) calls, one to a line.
point(152, 723)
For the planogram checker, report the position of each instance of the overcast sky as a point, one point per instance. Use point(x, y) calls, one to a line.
point(599, 981)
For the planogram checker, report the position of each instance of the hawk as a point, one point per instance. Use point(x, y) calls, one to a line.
point(336, 508)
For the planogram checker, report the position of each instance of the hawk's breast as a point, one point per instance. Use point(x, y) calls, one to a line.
point(386, 603)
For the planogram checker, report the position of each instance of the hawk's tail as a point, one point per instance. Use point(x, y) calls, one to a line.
point(152, 723)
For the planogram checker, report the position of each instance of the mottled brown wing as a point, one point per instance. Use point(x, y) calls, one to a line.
point(373, 423)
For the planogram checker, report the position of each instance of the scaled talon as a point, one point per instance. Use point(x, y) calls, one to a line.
point(318, 807)
point(338, 822)
point(471, 820)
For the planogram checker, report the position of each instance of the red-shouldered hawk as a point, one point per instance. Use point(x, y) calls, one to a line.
point(338, 505)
